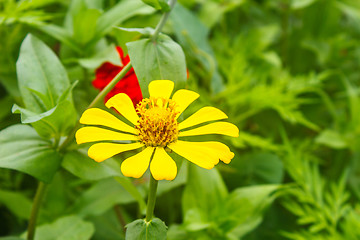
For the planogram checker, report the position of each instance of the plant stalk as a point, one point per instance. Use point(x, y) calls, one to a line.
point(111, 85)
point(35, 209)
point(162, 21)
point(120, 217)
point(151, 199)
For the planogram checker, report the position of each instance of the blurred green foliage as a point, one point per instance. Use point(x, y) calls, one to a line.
point(285, 71)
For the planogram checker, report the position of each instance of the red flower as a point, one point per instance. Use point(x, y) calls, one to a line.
point(129, 84)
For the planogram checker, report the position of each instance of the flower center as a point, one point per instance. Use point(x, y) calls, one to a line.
point(157, 125)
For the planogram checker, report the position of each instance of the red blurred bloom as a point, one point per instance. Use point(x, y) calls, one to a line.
point(129, 84)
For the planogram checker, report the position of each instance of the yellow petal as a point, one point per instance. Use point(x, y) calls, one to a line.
point(195, 154)
point(136, 165)
point(162, 166)
point(102, 151)
point(93, 134)
point(205, 114)
point(217, 148)
point(183, 99)
point(123, 104)
point(96, 116)
point(161, 88)
point(223, 128)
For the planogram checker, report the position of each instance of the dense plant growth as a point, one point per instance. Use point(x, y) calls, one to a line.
point(286, 73)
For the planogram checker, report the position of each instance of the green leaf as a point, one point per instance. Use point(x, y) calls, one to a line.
point(144, 31)
point(55, 202)
point(163, 59)
point(17, 203)
point(245, 207)
point(45, 89)
point(107, 226)
point(38, 68)
point(79, 164)
point(331, 139)
point(60, 34)
point(31, 117)
point(65, 228)
point(55, 122)
point(246, 138)
point(101, 197)
point(195, 220)
point(141, 230)
point(181, 178)
point(189, 30)
point(217, 10)
point(257, 168)
point(266, 168)
point(109, 54)
point(135, 193)
point(158, 4)
point(119, 13)
point(299, 4)
point(193, 36)
point(22, 149)
point(84, 25)
point(294, 116)
point(204, 190)
point(176, 232)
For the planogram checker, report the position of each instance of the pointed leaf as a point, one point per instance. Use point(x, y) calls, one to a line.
point(65, 228)
point(38, 68)
point(22, 149)
point(45, 88)
point(142, 230)
point(55, 122)
point(158, 4)
point(163, 59)
point(193, 35)
point(119, 13)
point(331, 139)
point(101, 197)
point(84, 25)
point(245, 207)
point(204, 190)
point(17, 203)
point(79, 164)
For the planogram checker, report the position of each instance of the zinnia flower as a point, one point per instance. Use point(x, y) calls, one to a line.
point(156, 131)
point(129, 84)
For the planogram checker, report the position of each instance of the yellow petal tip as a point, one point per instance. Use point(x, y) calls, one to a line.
point(161, 88)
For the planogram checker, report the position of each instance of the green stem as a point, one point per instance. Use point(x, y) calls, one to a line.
point(151, 199)
point(111, 85)
point(35, 209)
point(162, 21)
point(119, 215)
point(98, 98)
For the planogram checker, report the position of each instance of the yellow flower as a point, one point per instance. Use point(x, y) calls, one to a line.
point(155, 129)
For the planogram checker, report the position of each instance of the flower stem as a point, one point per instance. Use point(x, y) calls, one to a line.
point(35, 209)
point(98, 98)
point(111, 85)
point(151, 199)
point(162, 21)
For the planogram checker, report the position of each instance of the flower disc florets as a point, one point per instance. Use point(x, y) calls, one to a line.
point(157, 125)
